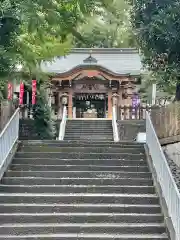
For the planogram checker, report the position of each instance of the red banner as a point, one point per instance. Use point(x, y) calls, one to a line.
point(34, 92)
point(21, 93)
point(10, 91)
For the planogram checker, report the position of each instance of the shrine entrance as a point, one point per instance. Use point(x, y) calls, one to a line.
point(90, 105)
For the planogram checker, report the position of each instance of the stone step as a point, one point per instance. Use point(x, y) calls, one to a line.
point(102, 134)
point(83, 236)
point(81, 149)
point(89, 128)
point(82, 144)
point(89, 131)
point(76, 189)
point(31, 167)
point(81, 208)
point(55, 161)
point(89, 122)
point(82, 174)
point(79, 198)
point(89, 137)
point(79, 143)
point(78, 228)
point(75, 155)
point(84, 138)
point(76, 181)
point(69, 217)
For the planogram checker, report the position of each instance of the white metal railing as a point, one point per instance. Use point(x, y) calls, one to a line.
point(169, 188)
point(63, 124)
point(114, 125)
point(8, 137)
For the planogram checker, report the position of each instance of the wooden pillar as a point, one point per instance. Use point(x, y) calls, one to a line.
point(70, 104)
point(110, 103)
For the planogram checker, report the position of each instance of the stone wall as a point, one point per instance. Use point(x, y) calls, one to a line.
point(128, 129)
point(173, 152)
point(173, 159)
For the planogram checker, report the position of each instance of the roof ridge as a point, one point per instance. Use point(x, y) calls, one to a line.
point(104, 50)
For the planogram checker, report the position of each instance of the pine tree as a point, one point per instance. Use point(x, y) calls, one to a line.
point(44, 125)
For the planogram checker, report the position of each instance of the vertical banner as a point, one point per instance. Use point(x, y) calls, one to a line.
point(34, 92)
point(21, 93)
point(135, 104)
point(10, 91)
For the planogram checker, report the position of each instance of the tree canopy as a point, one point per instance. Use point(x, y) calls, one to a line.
point(32, 31)
point(157, 28)
point(109, 28)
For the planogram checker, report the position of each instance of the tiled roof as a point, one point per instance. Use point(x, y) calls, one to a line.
point(118, 61)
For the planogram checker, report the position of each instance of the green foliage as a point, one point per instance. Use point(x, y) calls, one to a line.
point(157, 26)
point(32, 31)
point(108, 28)
point(44, 125)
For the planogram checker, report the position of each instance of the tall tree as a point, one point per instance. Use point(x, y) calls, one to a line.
point(43, 24)
point(157, 26)
point(109, 27)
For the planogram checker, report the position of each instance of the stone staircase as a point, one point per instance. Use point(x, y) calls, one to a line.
point(80, 190)
point(95, 130)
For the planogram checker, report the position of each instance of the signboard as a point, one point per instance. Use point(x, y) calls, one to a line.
point(21, 93)
point(135, 102)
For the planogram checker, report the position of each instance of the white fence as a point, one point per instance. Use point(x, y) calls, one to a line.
point(169, 188)
point(8, 137)
point(114, 125)
point(62, 127)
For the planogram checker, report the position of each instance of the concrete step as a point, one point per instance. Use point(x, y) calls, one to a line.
point(89, 122)
point(83, 236)
point(80, 208)
point(106, 162)
point(84, 138)
point(82, 144)
point(76, 181)
point(31, 167)
point(88, 228)
point(70, 217)
point(87, 130)
point(81, 149)
point(90, 125)
point(81, 174)
point(101, 134)
point(79, 198)
point(76, 189)
point(80, 190)
point(76, 155)
point(89, 137)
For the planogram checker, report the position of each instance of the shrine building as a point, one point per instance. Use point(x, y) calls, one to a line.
point(90, 81)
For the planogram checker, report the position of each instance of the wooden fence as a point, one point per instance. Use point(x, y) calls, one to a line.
point(166, 120)
point(6, 111)
point(133, 113)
